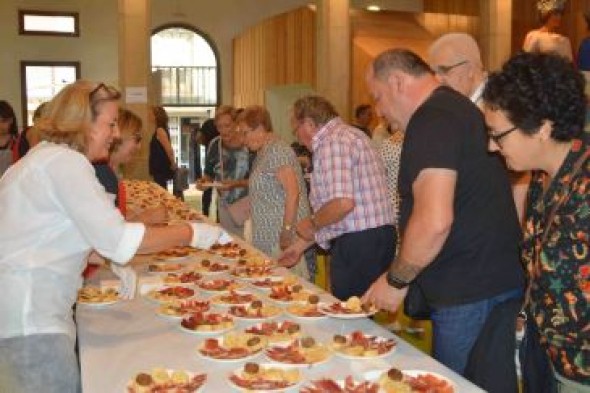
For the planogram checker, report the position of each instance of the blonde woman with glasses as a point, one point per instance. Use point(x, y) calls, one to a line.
point(56, 213)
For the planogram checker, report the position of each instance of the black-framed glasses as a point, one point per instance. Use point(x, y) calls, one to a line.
point(112, 93)
point(497, 137)
point(445, 69)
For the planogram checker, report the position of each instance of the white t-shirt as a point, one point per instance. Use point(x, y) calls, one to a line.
point(54, 212)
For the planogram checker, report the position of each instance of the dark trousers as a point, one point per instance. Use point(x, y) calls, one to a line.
point(207, 196)
point(359, 258)
point(161, 179)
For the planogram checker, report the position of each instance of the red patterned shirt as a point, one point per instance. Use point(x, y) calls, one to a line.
point(346, 165)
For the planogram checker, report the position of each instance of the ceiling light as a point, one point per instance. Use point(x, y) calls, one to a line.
point(373, 8)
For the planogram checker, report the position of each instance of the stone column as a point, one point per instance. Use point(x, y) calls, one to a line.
point(496, 32)
point(135, 73)
point(333, 61)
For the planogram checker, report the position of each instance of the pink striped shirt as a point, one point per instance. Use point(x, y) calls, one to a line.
point(346, 165)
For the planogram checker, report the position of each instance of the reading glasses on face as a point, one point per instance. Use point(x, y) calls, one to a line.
point(497, 137)
point(445, 69)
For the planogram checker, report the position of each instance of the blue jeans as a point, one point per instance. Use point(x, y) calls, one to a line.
point(456, 328)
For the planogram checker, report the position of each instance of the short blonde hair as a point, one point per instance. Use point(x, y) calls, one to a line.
point(68, 117)
point(226, 110)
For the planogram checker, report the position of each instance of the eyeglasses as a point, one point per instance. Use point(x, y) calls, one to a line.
point(112, 93)
point(497, 137)
point(445, 69)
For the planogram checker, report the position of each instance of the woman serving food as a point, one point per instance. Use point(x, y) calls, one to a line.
point(56, 214)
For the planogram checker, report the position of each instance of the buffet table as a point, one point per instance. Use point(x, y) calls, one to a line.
point(118, 341)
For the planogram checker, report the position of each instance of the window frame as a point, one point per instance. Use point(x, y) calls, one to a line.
point(23, 79)
point(23, 13)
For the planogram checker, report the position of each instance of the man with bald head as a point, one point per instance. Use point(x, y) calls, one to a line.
point(456, 60)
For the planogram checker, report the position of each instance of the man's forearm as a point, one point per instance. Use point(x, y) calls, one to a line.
point(420, 246)
point(332, 212)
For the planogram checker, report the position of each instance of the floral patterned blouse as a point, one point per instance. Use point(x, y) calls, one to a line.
point(560, 290)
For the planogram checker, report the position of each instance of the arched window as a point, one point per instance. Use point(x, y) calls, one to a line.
point(188, 67)
point(185, 67)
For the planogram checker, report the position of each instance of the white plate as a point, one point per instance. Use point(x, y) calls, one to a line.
point(237, 286)
point(207, 332)
point(266, 366)
point(256, 319)
point(274, 279)
point(173, 316)
point(339, 382)
point(131, 389)
point(288, 337)
point(374, 375)
point(324, 307)
point(177, 267)
point(355, 357)
point(245, 358)
point(99, 304)
point(217, 301)
point(304, 318)
point(152, 299)
point(327, 359)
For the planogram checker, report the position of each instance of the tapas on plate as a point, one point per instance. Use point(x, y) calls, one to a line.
point(163, 267)
point(348, 385)
point(183, 278)
point(252, 272)
point(414, 381)
point(207, 323)
point(255, 311)
point(169, 294)
point(290, 293)
point(307, 311)
point(265, 284)
point(179, 308)
point(98, 296)
point(233, 298)
point(358, 345)
point(166, 380)
point(265, 377)
point(206, 266)
point(276, 332)
point(302, 351)
point(232, 347)
point(173, 254)
point(219, 285)
point(352, 308)
point(229, 250)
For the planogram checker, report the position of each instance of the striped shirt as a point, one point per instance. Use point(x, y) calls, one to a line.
point(347, 166)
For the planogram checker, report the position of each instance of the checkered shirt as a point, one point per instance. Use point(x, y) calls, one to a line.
point(346, 165)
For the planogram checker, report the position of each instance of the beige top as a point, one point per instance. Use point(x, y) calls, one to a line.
point(546, 42)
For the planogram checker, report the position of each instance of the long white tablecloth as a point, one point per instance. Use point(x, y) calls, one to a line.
point(120, 340)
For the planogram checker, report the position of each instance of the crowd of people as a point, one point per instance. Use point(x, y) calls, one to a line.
point(432, 212)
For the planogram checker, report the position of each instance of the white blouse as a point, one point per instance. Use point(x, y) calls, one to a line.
point(54, 212)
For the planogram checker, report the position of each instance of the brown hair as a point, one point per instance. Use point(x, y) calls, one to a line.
point(68, 117)
point(160, 116)
point(316, 108)
point(225, 110)
point(255, 116)
point(129, 125)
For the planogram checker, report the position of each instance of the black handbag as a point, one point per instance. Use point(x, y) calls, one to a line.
point(415, 304)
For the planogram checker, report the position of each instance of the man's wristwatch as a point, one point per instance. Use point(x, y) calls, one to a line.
point(395, 281)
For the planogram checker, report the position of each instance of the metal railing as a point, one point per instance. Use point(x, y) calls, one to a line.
point(190, 86)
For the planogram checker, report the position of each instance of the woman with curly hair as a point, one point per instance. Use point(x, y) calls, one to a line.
point(535, 108)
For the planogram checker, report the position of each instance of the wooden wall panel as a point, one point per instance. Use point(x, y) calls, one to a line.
point(278, 51)
point(374, 33)
point(525, 18)
point(453, 7)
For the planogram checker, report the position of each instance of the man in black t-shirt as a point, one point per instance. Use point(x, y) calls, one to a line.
point(461, 236)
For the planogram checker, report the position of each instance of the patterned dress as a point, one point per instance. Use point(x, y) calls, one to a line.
point(560, 289)
point(268, 197)
point(391, 151)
